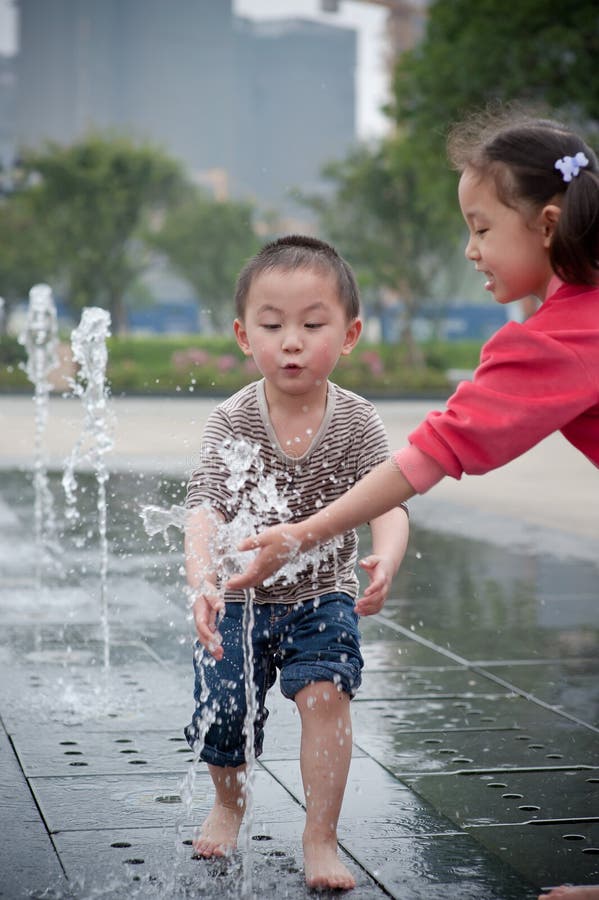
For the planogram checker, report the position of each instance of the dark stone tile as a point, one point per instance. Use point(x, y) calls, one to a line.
point(28, 860)
point(438, 867)
point(546, 854)
point(106, 801)
point(511, 797)
point(418, 684)
point(159, 863)
point(385, 718)
point(375, 802)
point(455, 750)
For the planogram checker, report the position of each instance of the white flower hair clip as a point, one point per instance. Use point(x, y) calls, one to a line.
point(570, 166)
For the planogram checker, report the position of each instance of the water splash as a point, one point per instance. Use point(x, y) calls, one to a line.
point(40, 339)
point(250, 752)
point(88, 343)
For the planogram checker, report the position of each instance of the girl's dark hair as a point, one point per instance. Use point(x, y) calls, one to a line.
point(520, 151)
point(298, 251)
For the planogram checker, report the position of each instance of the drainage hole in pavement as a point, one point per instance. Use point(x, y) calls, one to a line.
point(134, 862)
point(592, 780)
point(137, 762)
point(261, 837)
point(432, 741)
point(72, 753)
point(593, 850)
point(488, 718)
point(118, 844)
point(78, 764)
point(449, 750)
point(554, 756)
point(461, 759)
point(168, 798)
point(523, 737)
point(496, 784)
point(188, 842)
point(182, 750)
point(123, 741)
point(129, 750)
point(179, 739)
point(512, 796)
point(574, 837)
point(68, 743)
point(529, 807)
point(536, 746)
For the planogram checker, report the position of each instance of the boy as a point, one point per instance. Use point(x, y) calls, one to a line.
point(297, 308)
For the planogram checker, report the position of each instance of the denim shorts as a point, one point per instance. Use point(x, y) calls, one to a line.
point(317, 640)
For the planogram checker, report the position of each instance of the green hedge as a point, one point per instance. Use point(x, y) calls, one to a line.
point(150, 365)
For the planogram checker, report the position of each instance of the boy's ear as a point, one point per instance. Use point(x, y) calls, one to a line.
point(353, 332)
point(241, 337)
point(549, 219)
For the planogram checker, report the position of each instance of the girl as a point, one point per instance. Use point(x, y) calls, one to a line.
point(529, 192)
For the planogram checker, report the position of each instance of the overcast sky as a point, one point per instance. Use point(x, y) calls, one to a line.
point(368, 20)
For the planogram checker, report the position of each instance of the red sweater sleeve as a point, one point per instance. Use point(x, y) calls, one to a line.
point(528, 385)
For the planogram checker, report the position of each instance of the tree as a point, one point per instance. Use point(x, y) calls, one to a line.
point(382, 216)
point(26, 257)
point(93, 198)
point(206, 242)
point(542, 53)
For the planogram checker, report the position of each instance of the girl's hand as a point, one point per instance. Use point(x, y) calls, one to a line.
point(380, 573)
point(275, 547)
point(206, 608)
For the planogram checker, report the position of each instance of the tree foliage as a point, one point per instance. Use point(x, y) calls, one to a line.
point(383, 217)
point(207, 241)
point(26, 257)
point(541, 53)
point(93, 198)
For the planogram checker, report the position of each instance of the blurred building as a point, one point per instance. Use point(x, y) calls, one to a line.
point(250, 108)
point(8, 88)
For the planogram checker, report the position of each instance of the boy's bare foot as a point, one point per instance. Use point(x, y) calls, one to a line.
point(218, 834)
point(567, 892)
point(323, 868)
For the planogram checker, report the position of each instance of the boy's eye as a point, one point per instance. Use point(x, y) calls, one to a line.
point(314, 324)
point(480, 231)
point(270, 326)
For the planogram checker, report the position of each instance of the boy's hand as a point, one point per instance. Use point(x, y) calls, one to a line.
point(206, 608)
point(380, 572)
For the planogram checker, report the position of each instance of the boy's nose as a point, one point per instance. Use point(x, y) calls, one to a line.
point(291, 340)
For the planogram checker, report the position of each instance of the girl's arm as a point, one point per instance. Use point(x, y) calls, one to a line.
point(378, 492)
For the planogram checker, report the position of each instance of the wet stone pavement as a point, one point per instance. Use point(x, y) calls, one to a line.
point(475, 770)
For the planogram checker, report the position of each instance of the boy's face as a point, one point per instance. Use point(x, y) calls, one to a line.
point(296, 329)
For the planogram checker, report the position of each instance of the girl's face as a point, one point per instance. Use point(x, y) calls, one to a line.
point(296, 329)
point(508, 247)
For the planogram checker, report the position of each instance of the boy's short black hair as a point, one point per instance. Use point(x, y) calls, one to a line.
point(299, 251)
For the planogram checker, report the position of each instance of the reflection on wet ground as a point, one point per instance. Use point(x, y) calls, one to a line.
point(476, 730)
